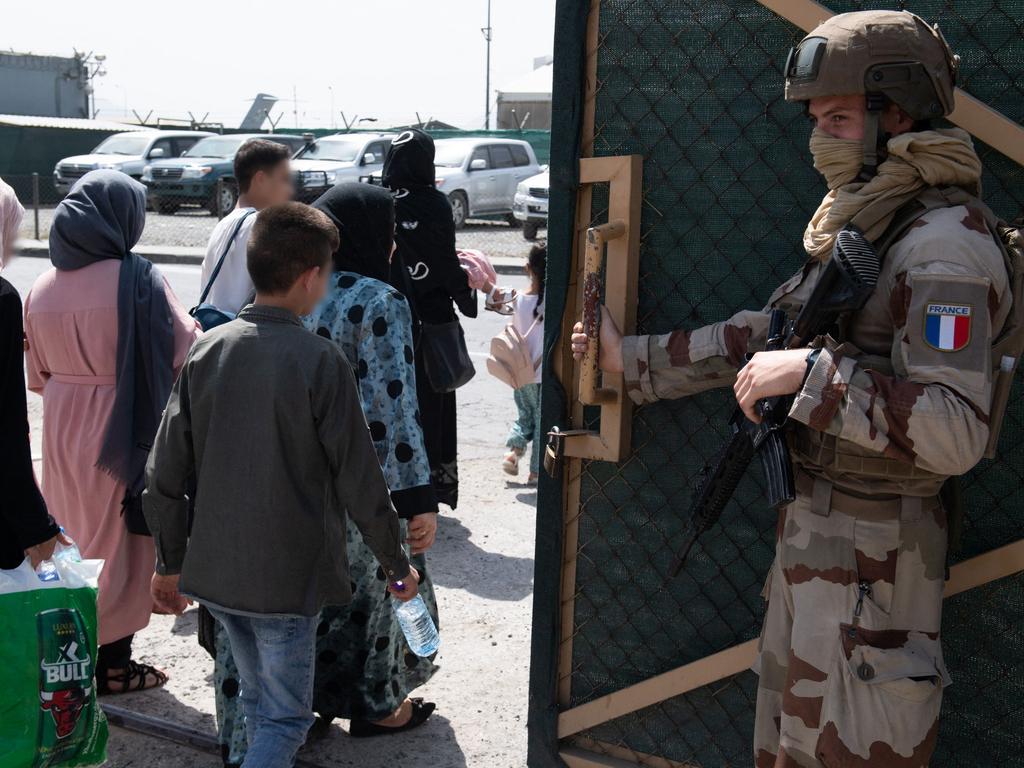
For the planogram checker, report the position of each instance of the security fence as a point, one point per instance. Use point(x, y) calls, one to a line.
point(631, 666)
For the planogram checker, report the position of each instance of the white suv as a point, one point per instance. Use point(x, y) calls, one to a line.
point(333, 159)
point(480, 175)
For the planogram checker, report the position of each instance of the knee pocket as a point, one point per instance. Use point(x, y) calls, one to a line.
point(883, 698)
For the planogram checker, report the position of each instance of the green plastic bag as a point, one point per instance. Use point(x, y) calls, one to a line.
point(48, 710)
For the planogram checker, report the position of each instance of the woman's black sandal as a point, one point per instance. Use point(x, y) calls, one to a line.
point(132, 679)
point(421, 711)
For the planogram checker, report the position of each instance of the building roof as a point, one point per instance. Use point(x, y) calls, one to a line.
point(535, 86)
point(71, 123)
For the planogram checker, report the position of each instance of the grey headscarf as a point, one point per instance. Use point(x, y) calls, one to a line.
point(102, 218)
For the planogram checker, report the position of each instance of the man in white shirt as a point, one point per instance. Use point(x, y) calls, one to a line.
point(264, 178)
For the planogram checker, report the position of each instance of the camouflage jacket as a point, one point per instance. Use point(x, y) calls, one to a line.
point(902, 400)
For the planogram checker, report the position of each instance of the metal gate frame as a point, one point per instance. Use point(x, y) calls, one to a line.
point(971, 114)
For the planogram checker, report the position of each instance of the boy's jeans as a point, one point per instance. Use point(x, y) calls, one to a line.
point(275, 658)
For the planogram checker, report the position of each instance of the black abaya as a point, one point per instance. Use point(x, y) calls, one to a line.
point(425, 249)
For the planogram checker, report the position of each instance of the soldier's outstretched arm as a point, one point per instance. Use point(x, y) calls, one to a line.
point(680, 363)
point(945, 298)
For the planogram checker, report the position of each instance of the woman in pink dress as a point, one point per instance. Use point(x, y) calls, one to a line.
point(106, 337)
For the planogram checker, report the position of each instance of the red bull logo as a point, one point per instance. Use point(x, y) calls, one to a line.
point(67, 699)
point(65, 707)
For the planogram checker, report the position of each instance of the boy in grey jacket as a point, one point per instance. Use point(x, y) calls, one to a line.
point(266, 416)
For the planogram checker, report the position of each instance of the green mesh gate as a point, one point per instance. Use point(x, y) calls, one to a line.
point(696, 89)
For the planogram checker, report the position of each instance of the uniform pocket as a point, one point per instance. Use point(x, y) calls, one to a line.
point(883, 699)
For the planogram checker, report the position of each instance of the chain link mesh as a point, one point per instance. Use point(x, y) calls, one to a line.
point(696, 88)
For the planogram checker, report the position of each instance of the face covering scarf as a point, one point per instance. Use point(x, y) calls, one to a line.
point(914, 161)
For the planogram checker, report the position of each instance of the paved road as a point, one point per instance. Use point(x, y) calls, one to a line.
point(482, 566)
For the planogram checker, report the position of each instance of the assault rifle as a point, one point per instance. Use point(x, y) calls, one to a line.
point(847, 281)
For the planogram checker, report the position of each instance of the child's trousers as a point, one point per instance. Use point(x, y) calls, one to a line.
point(526, 428)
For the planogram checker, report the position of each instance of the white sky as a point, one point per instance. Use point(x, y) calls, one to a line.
point(383, 58)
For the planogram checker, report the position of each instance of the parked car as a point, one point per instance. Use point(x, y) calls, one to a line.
point(128, 152)
point(531, 204)
point(480, 175)
point(330, 160)
point(192, 178)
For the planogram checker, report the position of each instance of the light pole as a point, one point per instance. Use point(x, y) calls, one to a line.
point(90, 67)
point(487, 95)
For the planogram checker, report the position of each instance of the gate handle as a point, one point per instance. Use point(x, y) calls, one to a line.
point(597, 239)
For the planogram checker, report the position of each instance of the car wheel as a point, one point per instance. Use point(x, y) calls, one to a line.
point(530, 229)
point(513, 221)
point(166, 207)
point(460, 208)
point(224, 199)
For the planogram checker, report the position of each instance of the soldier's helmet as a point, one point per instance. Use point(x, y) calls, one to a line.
point(891, 54)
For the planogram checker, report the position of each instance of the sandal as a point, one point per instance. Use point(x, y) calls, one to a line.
point(421, 711)
point(511, 463)
point(501, 300)
point(134, 678)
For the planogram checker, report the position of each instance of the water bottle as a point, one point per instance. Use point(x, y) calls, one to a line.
point(68, 552)
point(417, 625)
point(47, 570)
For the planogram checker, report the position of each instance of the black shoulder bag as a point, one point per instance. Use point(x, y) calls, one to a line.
point(445, 355)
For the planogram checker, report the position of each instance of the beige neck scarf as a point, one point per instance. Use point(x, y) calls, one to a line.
point(914, 161)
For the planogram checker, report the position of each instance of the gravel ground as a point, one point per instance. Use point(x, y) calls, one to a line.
point(482, 565)
point(191, 228)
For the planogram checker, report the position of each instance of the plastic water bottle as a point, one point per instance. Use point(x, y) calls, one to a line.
point(69, 552)
point(417, 624)
point(47, 570)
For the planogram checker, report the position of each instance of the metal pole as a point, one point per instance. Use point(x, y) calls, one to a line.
point(35, 200)
point(487, 94)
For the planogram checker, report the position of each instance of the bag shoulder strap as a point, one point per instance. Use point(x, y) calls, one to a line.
point(533, 325)
point(224, 255)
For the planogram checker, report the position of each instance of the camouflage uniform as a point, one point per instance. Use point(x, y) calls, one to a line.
point(850, 662)
point(851, 669)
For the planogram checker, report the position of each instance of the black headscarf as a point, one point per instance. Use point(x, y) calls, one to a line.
point(102, 218)
point(365, 217)
point(410, 161)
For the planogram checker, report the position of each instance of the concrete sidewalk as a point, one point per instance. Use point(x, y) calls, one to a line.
point(171, 254)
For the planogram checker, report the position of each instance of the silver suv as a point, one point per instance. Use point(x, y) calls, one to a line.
point(480, 176)
point(128, 152)
point(333, 159)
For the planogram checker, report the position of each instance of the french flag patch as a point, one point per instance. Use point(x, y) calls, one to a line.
point(947, 327)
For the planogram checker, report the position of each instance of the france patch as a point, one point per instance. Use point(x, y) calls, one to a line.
point(947, 327)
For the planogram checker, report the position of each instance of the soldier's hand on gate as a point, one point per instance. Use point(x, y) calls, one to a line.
point(769, 374)
point(611, 343)
point(164, 590)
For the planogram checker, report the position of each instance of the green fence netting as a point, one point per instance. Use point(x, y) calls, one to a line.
point(696, 89)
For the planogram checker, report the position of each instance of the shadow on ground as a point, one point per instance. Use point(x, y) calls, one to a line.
point(463, 564)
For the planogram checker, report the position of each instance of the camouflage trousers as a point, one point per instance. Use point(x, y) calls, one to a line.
point(850, 662)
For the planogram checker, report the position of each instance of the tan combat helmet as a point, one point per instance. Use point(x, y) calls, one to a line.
point(886, 55)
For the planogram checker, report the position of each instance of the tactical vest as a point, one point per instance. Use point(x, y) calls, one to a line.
point(853, 467)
